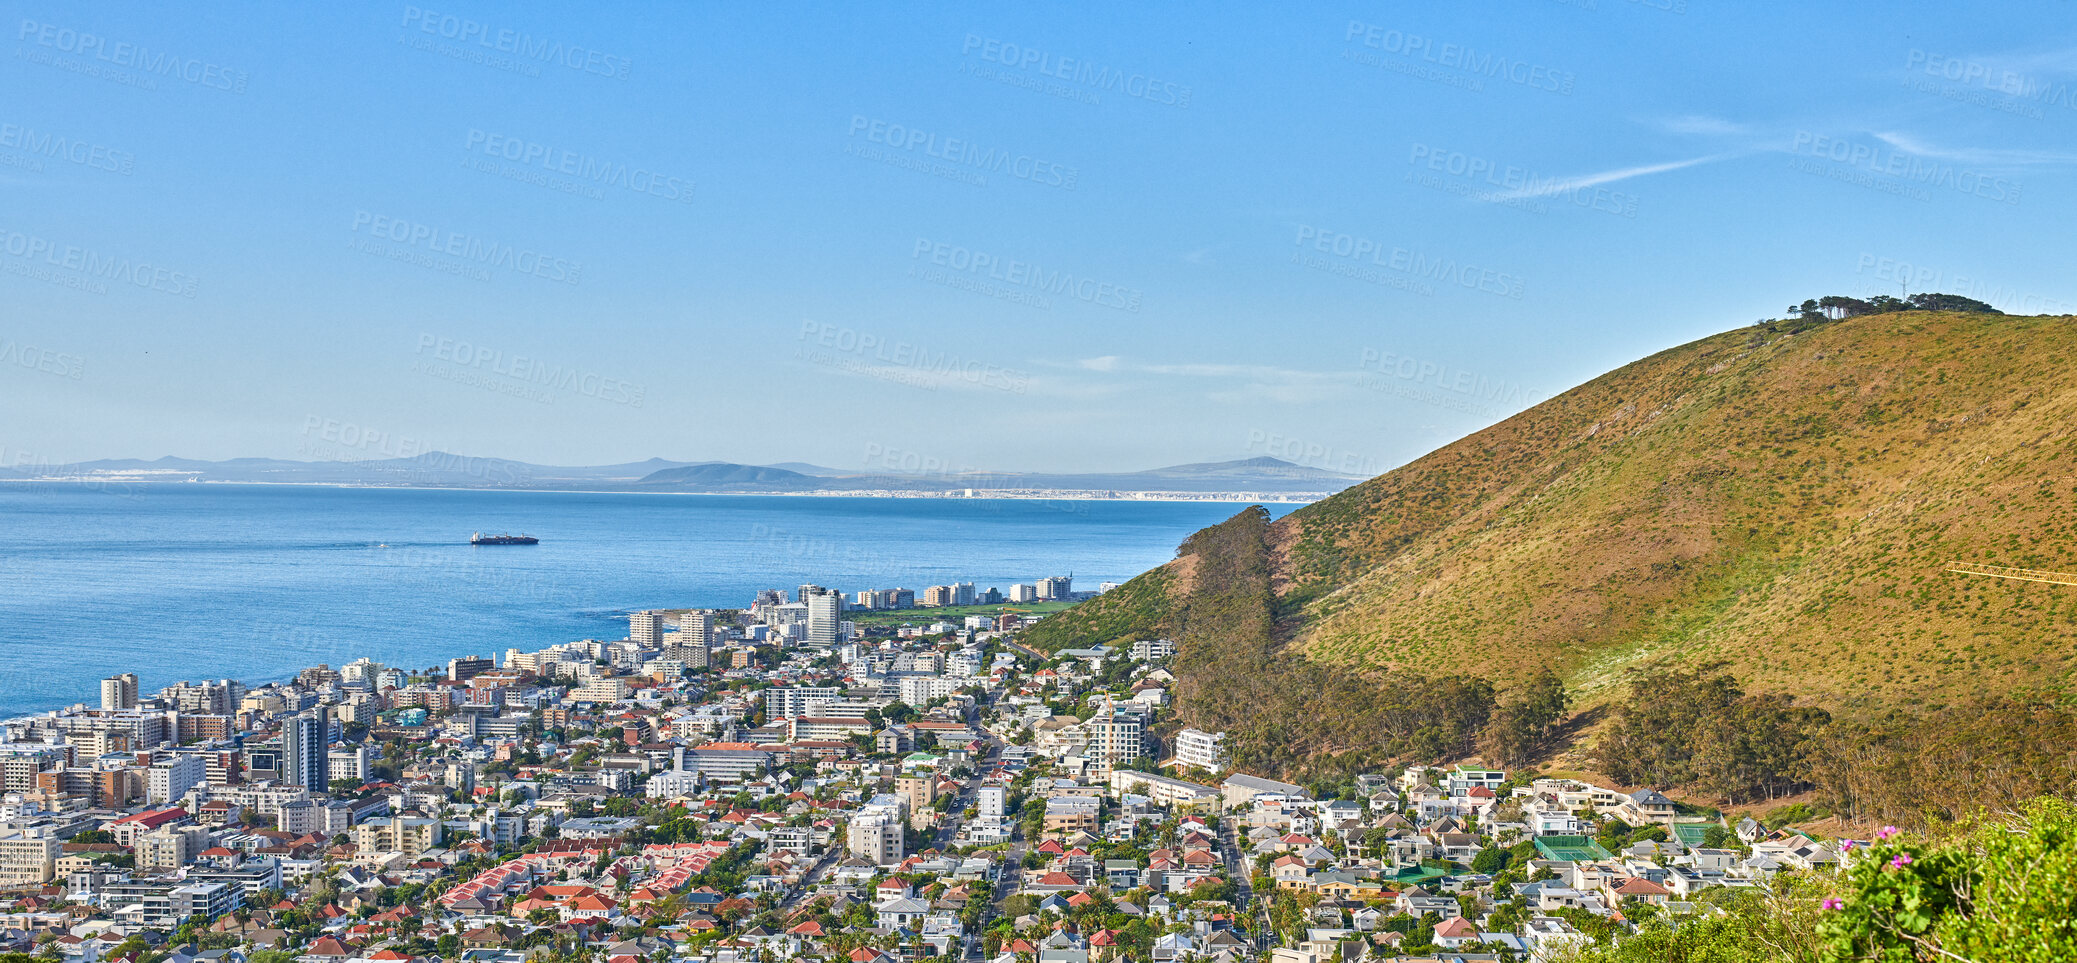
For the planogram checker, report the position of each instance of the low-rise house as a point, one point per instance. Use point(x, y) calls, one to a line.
point(1646, 806)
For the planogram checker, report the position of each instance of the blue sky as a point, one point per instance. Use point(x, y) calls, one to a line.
point(990, 235)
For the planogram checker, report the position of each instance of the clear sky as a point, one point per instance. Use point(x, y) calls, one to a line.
point(999, 235)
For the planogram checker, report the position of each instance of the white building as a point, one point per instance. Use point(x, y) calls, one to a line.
point(672, 783)
point(919, 690)
point(349, 763)
point(1147, 650)
point(119, 692)
point(825, 615)
point(1115, 735)
point(646, 628)
point(1199, 749)
point(170, 779)
point(792, 702)
point(600, 690)
point(28, 857)
point(993, 801)
point(875, 834)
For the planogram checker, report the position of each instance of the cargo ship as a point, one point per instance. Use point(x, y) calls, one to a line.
point(481, 539)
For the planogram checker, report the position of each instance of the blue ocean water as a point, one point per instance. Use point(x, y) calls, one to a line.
point(190, 581)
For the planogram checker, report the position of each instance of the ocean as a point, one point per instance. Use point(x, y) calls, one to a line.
point(201, 581)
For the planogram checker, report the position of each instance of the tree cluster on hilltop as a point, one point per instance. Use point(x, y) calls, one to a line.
point(1838, 307)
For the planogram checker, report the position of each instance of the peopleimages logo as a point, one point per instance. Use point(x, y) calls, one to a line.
point(90, 269)
point(520, 45)
point(1973, 73)
point(1909, 168)
point(49, 362)
point(900, 361)
point(582, 169)
point(1026, 275)
point(43, 144)
point(963, 152)
point(1509, 395)
point(1516, 186)
point(1415, 265)
point(132, 56)
point(1457, 56)
point(469, 249)
point(530, 371)
point(1083, 75)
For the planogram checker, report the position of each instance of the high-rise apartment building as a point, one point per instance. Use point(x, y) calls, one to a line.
point(303, 757)
point(992, 801)
point(348, 764)
point(169, 779)
point(1199, 749)
point(1057, 588)
point(646, 628)
point(875, 834)
point(28, 857)
point(20, 764)
point(922, 793)
point(792, 702)
point(1115, 735)
point(218, 698)
point(695, 628)
point(119, 692)
point(825, 618)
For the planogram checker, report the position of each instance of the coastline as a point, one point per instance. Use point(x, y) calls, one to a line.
point(994, 494)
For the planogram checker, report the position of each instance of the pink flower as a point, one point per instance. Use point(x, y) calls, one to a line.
point(1835, 904)
point(1886, 832)
point(1847, 846)
point(1902, 860)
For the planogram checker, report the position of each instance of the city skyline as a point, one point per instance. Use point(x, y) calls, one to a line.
point(1104, 241)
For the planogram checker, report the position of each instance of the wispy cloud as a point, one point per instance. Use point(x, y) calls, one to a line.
point(1984, 156)
point(1235, 382)
point(2057, 62)
point(1701, 124)
point(1113, 364)
point(1565, 185)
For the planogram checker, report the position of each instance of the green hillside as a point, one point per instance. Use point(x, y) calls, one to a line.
point(1783, 499)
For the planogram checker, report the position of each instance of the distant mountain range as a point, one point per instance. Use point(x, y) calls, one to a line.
point(446, 470)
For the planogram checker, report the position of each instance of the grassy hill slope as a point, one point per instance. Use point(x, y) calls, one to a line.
point(1783, 498)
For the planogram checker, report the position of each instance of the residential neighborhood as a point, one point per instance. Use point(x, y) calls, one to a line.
point(774, 783)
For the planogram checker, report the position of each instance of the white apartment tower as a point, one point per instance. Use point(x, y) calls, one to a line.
point(696, 627)
point(119, 692)
point(1199, 749)
point(825, 615)
point(646, 628)
point(168, 780)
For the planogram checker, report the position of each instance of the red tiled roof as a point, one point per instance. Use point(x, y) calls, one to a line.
point(1456, 928)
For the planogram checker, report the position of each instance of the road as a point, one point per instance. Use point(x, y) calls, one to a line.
point(814, 874)
point(1241, 871)
point(1011, 867)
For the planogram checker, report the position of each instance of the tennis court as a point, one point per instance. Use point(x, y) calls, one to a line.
point(1571, 849)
